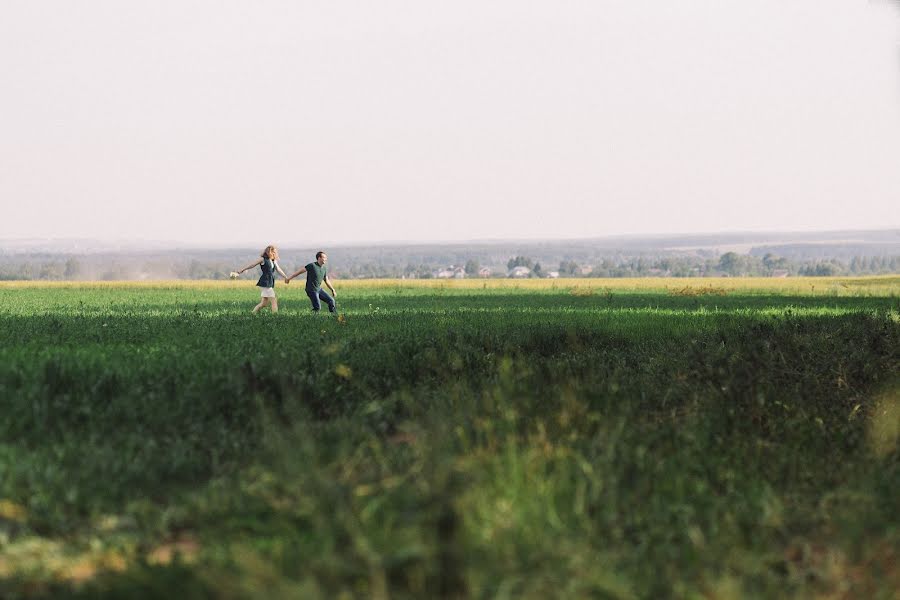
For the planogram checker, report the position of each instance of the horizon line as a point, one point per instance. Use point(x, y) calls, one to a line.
point(176, 244)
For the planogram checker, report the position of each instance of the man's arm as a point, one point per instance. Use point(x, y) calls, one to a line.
point(288, 279)
point(330, 287)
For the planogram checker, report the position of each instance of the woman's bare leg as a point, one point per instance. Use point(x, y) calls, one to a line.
point(274, 302)
point(261, 304)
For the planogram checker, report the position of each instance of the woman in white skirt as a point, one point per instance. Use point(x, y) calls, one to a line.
point(268, 263)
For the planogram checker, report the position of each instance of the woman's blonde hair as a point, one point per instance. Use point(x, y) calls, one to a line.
point(271, 252)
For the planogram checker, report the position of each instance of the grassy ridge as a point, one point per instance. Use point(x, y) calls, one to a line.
point(441, 439)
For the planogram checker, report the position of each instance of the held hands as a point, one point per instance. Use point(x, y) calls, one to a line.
point(287, 280)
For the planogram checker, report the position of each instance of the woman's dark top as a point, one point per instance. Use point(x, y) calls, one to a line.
point(267, 279)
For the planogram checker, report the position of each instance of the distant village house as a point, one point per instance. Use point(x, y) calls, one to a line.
point(451, 272)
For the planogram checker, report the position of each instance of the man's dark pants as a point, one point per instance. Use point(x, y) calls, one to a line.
point(320, 294)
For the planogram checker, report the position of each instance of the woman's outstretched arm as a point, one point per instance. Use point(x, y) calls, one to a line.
point(251, 265)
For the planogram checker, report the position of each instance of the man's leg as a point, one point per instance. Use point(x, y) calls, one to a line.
point(314, 298)
point(328, 299)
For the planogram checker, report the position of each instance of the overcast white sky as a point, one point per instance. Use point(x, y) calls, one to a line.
point(304, 122)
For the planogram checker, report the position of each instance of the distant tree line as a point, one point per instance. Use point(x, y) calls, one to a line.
point(732, 264)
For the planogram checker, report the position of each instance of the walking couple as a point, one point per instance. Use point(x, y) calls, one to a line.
point(316, 275)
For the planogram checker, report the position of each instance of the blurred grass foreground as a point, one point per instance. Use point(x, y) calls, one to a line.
point(516, 439)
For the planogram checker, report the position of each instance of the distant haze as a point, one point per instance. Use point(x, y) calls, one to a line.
point(308, 122)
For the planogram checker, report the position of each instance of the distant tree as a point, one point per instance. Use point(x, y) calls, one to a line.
point(826, 270)
point(770, 262)
point(472, 267)
point(568, 267)
point(73, 269)
point(641, 266)
point(196, 270)
point(519, 261)
point(52, 271)
point(732, 263)
point(536, 271)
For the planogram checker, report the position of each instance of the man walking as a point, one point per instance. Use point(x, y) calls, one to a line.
point(316, 275)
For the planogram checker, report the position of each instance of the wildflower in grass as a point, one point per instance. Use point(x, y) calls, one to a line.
point(11, 511)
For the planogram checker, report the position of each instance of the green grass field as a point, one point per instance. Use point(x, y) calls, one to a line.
point(474, 439)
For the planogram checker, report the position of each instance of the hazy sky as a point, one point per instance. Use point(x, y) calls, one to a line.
point(304, 122)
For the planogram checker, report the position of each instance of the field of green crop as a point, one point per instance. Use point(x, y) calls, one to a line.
point(611, 439)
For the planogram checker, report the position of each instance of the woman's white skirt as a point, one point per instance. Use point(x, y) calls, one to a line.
point(268, 292)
